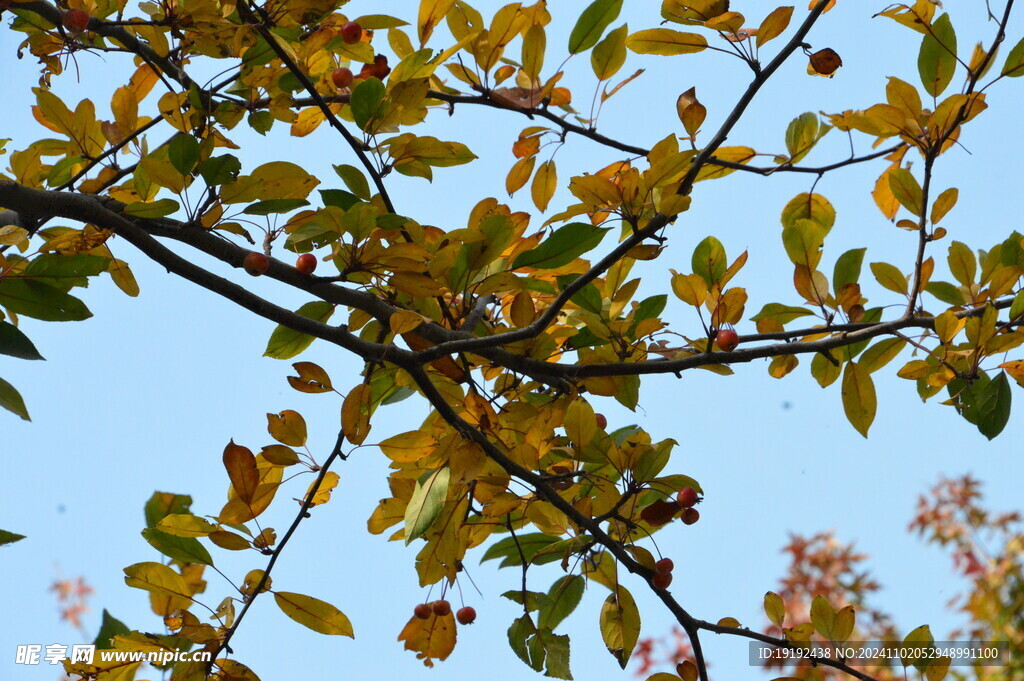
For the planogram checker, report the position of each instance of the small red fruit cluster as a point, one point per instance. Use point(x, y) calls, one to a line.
point(662, 577)
point(442, 608)
point(75, 21)
point(687, 499)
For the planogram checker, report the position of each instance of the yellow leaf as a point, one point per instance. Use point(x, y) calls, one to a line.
point(323, 492)
point(580, 422)
point(544, 184)
point(519, 174)
point(690, 288)
point(774, 608)
point(311, 612)
point(185, 525)
point(431, 639)
point(665, 41)
point(288, 428)
point(943, 204)
point(729, 622)
point(522, 310)
point(404, 321)
point(884, 198)
point(774, 24)
point(123, 277)
point(430, 15)
point(355, 414)
point(859, 400)
point(159, 579)
point(843, 626)
point(408, 447)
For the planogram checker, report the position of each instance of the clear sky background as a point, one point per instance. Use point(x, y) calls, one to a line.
point(145, 395)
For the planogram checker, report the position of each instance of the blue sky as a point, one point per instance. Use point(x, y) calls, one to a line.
point(145, 395)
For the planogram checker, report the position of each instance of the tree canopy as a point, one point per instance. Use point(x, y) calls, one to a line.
point(513, 326)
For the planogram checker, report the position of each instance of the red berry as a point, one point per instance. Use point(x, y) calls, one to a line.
point(351, 32)
point(727, 339)
point(466, 615)
point(306, 263)
point(422, 611)
point(256, 263)
point(441, 608)
point(664, 566)
point(341, 78)
point(75, 21)
point(661, 580)
point(687, 497)
point(602, 421)
point(690, 516)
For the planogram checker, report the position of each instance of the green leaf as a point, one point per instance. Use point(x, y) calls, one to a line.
point(508, 549)
point(220, 170)
point(366, 101)
point(946, 292)
point(649, 308)
point(709, 260)
point(152, 209)
point(610, 54)
point(803, 242)
point(565, 245)
point(783, 314)
point(540, 648)
point(906, 189)
point(67, 266)
point(426, 503)
point(620, 625)
point(563, 597)
point(881, 353)
point(806, 206)
point(354, 180)
point(936, 62)
point(110, 627)
point(15, 343)
point(1014, 66)
point(182, 549)
point(890, 277)
point(261, 121)
point(534, 599)
point(801, 135)
point(9, 537)
point(183, 152)
point(859, 400)
point(11, 400)
point(41, 301)
point(286, 343)
point(274, 206)
point(984, 403)
point(162, 504)
point(592, 23)
point(847, 269)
